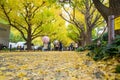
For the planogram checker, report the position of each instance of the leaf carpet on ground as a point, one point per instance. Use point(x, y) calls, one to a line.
point(54, 66)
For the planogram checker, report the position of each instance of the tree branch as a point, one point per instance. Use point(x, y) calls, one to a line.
point(21, 31)
point(67, 13)
point(10, 22)
point(95, 20)
point(20, 25)
point(37, 27)
point(102, 9)
point(5, 12)
point(66, 19)
point(37, 34)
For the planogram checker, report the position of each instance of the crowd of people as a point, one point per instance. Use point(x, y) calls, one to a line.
point(73, 46)
point(58, 46)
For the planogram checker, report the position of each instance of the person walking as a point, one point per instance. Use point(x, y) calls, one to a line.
point(71, 47)
point(56, 45)
point(60, 46)
point(49, 46)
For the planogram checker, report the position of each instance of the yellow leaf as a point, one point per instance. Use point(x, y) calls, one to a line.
point(2, 77)
point(1, 72)
point(3, 68)
point(9, 73)
point(11, 66)
point(74, 78)
point(21, 74)
point(24, 67)
point(25, 78)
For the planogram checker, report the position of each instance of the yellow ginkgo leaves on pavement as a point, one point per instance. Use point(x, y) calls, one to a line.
point(54, 66)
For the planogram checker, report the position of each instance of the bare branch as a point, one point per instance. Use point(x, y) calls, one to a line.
point(5, 12)
point(67, 13)
point(99, 23)
point(25, 18)
point(91, 4)
point(66, 19)
point(10, 22)
point(74, 12)
point(92, 12)
point(82, 11)
point(37, 34)
point(9, 11)
point(38, 7)
point(95, 20)
point(21, 31)
point(37, 27)
point(20, 25)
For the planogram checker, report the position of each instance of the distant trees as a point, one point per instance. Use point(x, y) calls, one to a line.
point(85, 17)
point(15, 37)
point(74, 34)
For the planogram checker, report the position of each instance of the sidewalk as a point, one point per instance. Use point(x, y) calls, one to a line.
point(54, 66)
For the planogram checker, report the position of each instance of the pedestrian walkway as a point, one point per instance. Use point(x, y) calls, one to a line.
point(53, 66)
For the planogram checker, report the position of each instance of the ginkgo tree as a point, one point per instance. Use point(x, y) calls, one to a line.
point(57, 29)
point(74, 34)
point(84, 16)
point(27, 16)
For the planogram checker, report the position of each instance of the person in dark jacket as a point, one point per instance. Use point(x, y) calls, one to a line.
point(49, 46)
point(60, 46)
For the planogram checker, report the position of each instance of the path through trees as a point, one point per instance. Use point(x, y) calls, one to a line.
point(54, 66)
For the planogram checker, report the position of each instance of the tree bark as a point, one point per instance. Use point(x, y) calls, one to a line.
point(110, 29)
point(105, 12)
point(83, 38)
point(29, 37)
point(89, 36)
point(113, 9)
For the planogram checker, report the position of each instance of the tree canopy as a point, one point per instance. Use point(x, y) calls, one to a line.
point(83, 15)
point(33, 19)
point(27, 16)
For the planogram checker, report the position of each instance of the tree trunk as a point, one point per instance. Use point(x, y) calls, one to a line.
point(88, 28)
point(110, 29)
point(29, 39)
point(29, 44)
point(113, 9)
point(102, 9)
point(83, 41)
point(89, 36)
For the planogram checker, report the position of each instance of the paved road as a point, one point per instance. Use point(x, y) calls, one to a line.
point(51, 66)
